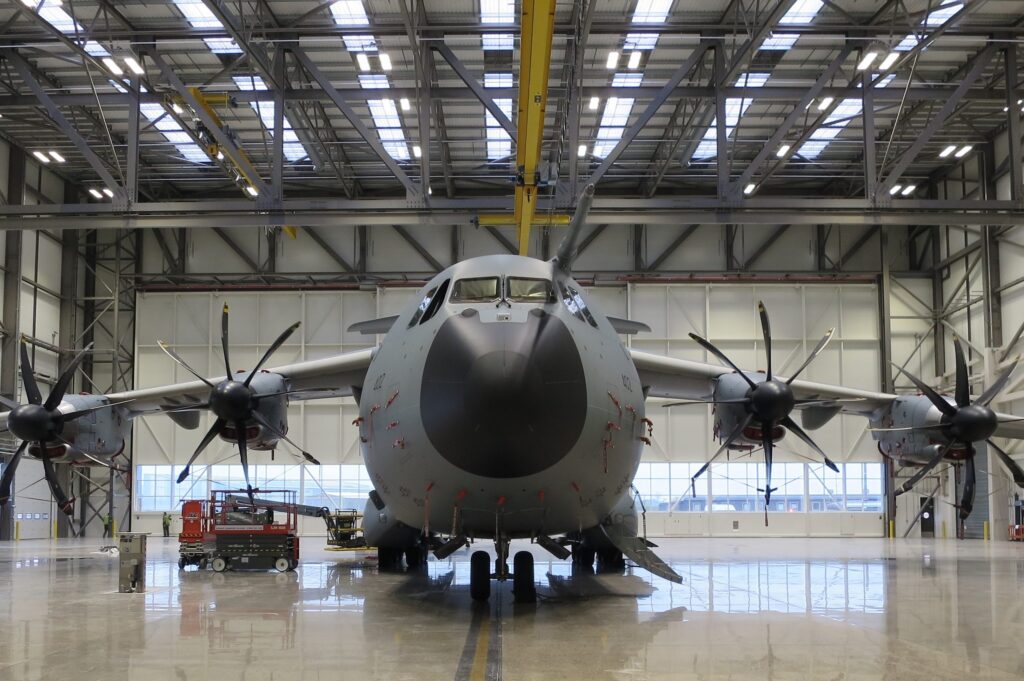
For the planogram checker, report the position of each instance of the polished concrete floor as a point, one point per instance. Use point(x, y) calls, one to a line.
point(826, 609)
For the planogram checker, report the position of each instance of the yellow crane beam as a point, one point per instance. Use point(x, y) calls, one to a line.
point(537, 27)
point(506, 219)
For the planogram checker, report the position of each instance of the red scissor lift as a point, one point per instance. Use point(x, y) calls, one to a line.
point(227, 532)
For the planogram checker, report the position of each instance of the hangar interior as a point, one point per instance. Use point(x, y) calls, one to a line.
point(853, 165)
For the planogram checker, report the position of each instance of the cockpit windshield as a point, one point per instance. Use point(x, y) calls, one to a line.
point(523, 290)
point(477, 290)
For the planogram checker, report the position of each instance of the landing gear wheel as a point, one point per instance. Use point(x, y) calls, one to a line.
point(282, 564)
point(523, 586)
point(480, 576)
point(610, 561)
point(388, 559)
point(583, 556)
point(219, 564)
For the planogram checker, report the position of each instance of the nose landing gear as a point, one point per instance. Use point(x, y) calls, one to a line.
point(523, 587)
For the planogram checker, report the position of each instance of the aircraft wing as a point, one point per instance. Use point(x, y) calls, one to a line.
point(341, 374)
point(685, 379)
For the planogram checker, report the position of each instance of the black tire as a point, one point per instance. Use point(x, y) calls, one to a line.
point(523, 586)
point(480, 576)
point(181, 563)
point(388, 559)
point(220, 564)
point(610, 561)
point(583, 556)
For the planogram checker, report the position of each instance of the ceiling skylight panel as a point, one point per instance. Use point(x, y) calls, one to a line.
point(627, 79)
point(497, 41)
point(497, 80)
point(360, 43)
point(802, 12)
point(499, 144)
point(640, 41)
point(935, 18)
point(613, 124)
point(497, 11)
point(651, 11)
point(293, 149)
point(349, 13)
point(199, 15)
point(170, 129)
point(374, 81)
point(780, 41)
point(735, 107)
point(52, 12)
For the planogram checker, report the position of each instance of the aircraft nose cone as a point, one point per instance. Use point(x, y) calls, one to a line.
point(973, 423)
point(502, 399)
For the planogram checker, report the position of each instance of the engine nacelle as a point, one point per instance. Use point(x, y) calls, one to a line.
point(99, 434)
point(273, 409)
point(912, 446)
point(729, 416)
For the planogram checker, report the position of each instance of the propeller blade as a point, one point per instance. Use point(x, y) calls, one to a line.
point(271, 350)
point(963, 381)
point(725, 445)
point(260, 419)
point(8, 402)
point(720, 355)
point(814, 353)
point(243, 457)
point(67, 506)
point(935, 461)
point(766, 331)
point(790, 425)
point(28, 377)
point(224, 340)
point(61, 386)
point(207, 439)
point(740, 400)
point(8, 479)
point(993, 390)
point(177, 358)
point(967, 497)
point(767, 442)
point(940, 404)
point(78, 413)
point(1015, 470)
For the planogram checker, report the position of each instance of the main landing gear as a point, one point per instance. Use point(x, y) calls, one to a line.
point(523, 587)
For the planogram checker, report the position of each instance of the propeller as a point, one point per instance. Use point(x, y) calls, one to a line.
point(40, 421)
point(963, 422)
point(767, 403)
point(234, 402)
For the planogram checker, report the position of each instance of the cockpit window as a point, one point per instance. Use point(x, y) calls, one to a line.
point(422, 307)
point(577, 306)
point(435, 303)
point(478, 290)
point(523, 290)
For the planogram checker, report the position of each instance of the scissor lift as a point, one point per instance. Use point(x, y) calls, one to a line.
point(230, 532)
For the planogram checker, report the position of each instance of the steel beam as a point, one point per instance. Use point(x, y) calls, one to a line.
point(238, 157)
point(11, 303)
point(870, 162)
point(353, 118)
point(418, 247)
point(978, 67)
point(799, 110)
point(502, 239)
point(629, 136)
point(765, 245)
point(721, 129)
point(476, 88)
point(1013, 124)
point(83, 146)
point(253, 265)
point(537, 28)
point(685, 234)
point(328, 249)
point(857, 245)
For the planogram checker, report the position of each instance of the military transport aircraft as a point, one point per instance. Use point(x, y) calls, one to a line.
point(503, 406)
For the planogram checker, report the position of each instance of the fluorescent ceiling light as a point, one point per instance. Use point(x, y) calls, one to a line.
point(963, 151)
point(749, 189)
point(112, 65)
point(581, 150)
point(947, 151)
point(889, 60)
point(782, 150)
point(404, 103)
point(908, 190)
point(109, 194)
point(385, 61)
point(364, 62)
point(895, 189)
point(416, 151)
point(824, 103)
point(177, 108)
point(134, 65)
point(634, 59)
point(95, 194)
point(594, 103)
point(220, 155)
point(43, 158)
point(56, 157)
point(867, 60)
point(251, 190)
point(613, 59)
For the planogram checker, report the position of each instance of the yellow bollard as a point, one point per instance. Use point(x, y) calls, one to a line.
point(113, 528)
point(54, 535)
point(943, 529)
point(984, 530)
point(892, 529)
point(17, 531)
